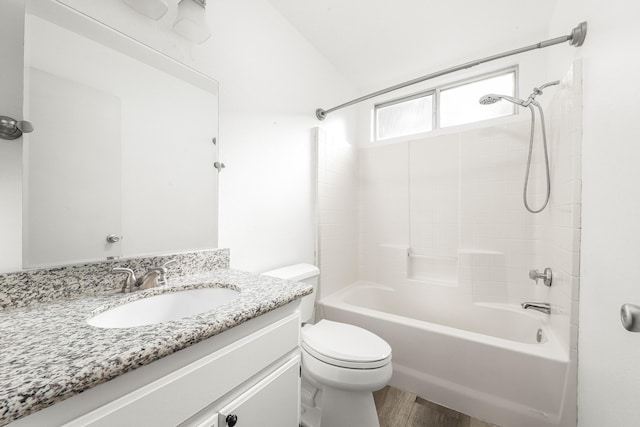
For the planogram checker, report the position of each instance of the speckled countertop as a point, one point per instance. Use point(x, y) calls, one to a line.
point(49, 352)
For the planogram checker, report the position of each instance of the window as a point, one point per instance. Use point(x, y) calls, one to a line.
point(445, 106)
point(459, 104)
point(404, 117)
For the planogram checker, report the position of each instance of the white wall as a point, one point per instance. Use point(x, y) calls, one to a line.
point(337, 213)
point(11, 24)
point(455, 201)
point(271, 81)
point(608, 372)
point(557, 230)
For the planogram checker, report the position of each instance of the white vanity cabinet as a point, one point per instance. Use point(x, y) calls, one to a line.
point(250, 371)
point(272, 402)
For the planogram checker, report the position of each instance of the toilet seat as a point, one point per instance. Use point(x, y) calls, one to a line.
point(346, 346)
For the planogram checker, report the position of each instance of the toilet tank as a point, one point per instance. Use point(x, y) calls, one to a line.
point(306, 273)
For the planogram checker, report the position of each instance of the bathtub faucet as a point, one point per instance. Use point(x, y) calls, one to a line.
point(542, 307)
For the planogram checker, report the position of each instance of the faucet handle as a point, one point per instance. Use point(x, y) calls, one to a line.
point(534, 275)
point(162, 271)
point(163, 267)
point(130, 281)
point(171, 261)
point(546, 276)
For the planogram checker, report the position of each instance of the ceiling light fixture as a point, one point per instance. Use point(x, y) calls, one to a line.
point(191, 22)
point(154, 9)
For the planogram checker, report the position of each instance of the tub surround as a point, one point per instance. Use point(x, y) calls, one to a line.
point(50, 353)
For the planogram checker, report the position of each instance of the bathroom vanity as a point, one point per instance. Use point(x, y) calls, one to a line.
point(238, 364)
point(250, 375)
point(125, 183)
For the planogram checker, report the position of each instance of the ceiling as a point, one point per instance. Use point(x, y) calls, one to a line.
point(380, 42)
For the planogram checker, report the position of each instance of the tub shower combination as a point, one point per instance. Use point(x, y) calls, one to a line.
point(498, 362)
point(506, 363)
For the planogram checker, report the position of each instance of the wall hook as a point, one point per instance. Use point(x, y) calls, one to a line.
point(219, 166)
point(13, 129)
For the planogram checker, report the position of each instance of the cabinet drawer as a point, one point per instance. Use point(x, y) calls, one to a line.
point(274, 401)
point(175, 397)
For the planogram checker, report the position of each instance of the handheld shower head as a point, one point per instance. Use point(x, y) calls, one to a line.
point(489, 99)
point(531, 102)
point(492, 98)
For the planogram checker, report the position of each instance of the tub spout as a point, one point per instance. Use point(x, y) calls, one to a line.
point(542, 307)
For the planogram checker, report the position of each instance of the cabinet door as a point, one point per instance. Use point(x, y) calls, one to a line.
point(273, 402)
point(179, 395)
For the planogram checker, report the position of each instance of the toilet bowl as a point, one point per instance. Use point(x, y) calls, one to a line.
point(341, 364)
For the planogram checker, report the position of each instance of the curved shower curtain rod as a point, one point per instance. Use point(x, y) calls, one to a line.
point(576, 38)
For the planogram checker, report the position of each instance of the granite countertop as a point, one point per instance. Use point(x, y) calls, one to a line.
point(49, 352)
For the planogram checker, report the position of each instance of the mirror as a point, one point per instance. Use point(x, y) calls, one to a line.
point(121, 161)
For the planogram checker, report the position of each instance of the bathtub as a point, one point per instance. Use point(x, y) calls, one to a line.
point(495, 362)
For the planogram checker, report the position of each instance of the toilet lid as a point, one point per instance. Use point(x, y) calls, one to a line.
point(345, 345)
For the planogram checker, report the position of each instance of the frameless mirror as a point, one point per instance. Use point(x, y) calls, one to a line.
point(120, 163)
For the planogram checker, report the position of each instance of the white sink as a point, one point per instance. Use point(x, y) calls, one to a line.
point(163, 307)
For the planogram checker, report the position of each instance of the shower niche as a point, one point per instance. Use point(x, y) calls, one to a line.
point(432, 269)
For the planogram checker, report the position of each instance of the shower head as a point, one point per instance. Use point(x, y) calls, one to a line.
point(492, 98)
point(489, 99)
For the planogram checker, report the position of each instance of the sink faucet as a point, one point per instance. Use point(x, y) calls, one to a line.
point(542, 307)
point(148, 280)
point(155, 276)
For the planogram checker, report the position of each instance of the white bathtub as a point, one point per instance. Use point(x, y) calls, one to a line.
point(480, 359)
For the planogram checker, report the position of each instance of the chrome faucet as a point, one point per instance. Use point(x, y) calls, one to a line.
point(148, 280)
point(543, 307)
point(155, 276)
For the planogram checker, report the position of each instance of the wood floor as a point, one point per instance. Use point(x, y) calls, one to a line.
point(397, 408)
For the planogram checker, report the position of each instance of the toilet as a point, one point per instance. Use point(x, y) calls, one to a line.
point(341, 364)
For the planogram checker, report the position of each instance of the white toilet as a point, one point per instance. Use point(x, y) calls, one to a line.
point(341, 364)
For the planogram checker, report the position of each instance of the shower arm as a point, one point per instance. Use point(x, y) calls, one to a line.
point(576, 38)
point(537, 91)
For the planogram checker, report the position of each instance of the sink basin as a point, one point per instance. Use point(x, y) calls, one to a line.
point(163, 307)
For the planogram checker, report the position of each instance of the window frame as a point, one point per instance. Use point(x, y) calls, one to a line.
point(414, 96)
point(435, 93)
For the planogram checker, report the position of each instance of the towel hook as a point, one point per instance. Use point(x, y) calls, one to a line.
point(13, 129)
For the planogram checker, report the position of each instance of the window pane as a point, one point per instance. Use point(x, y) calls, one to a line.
point(459, 105)
point(404, 118)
